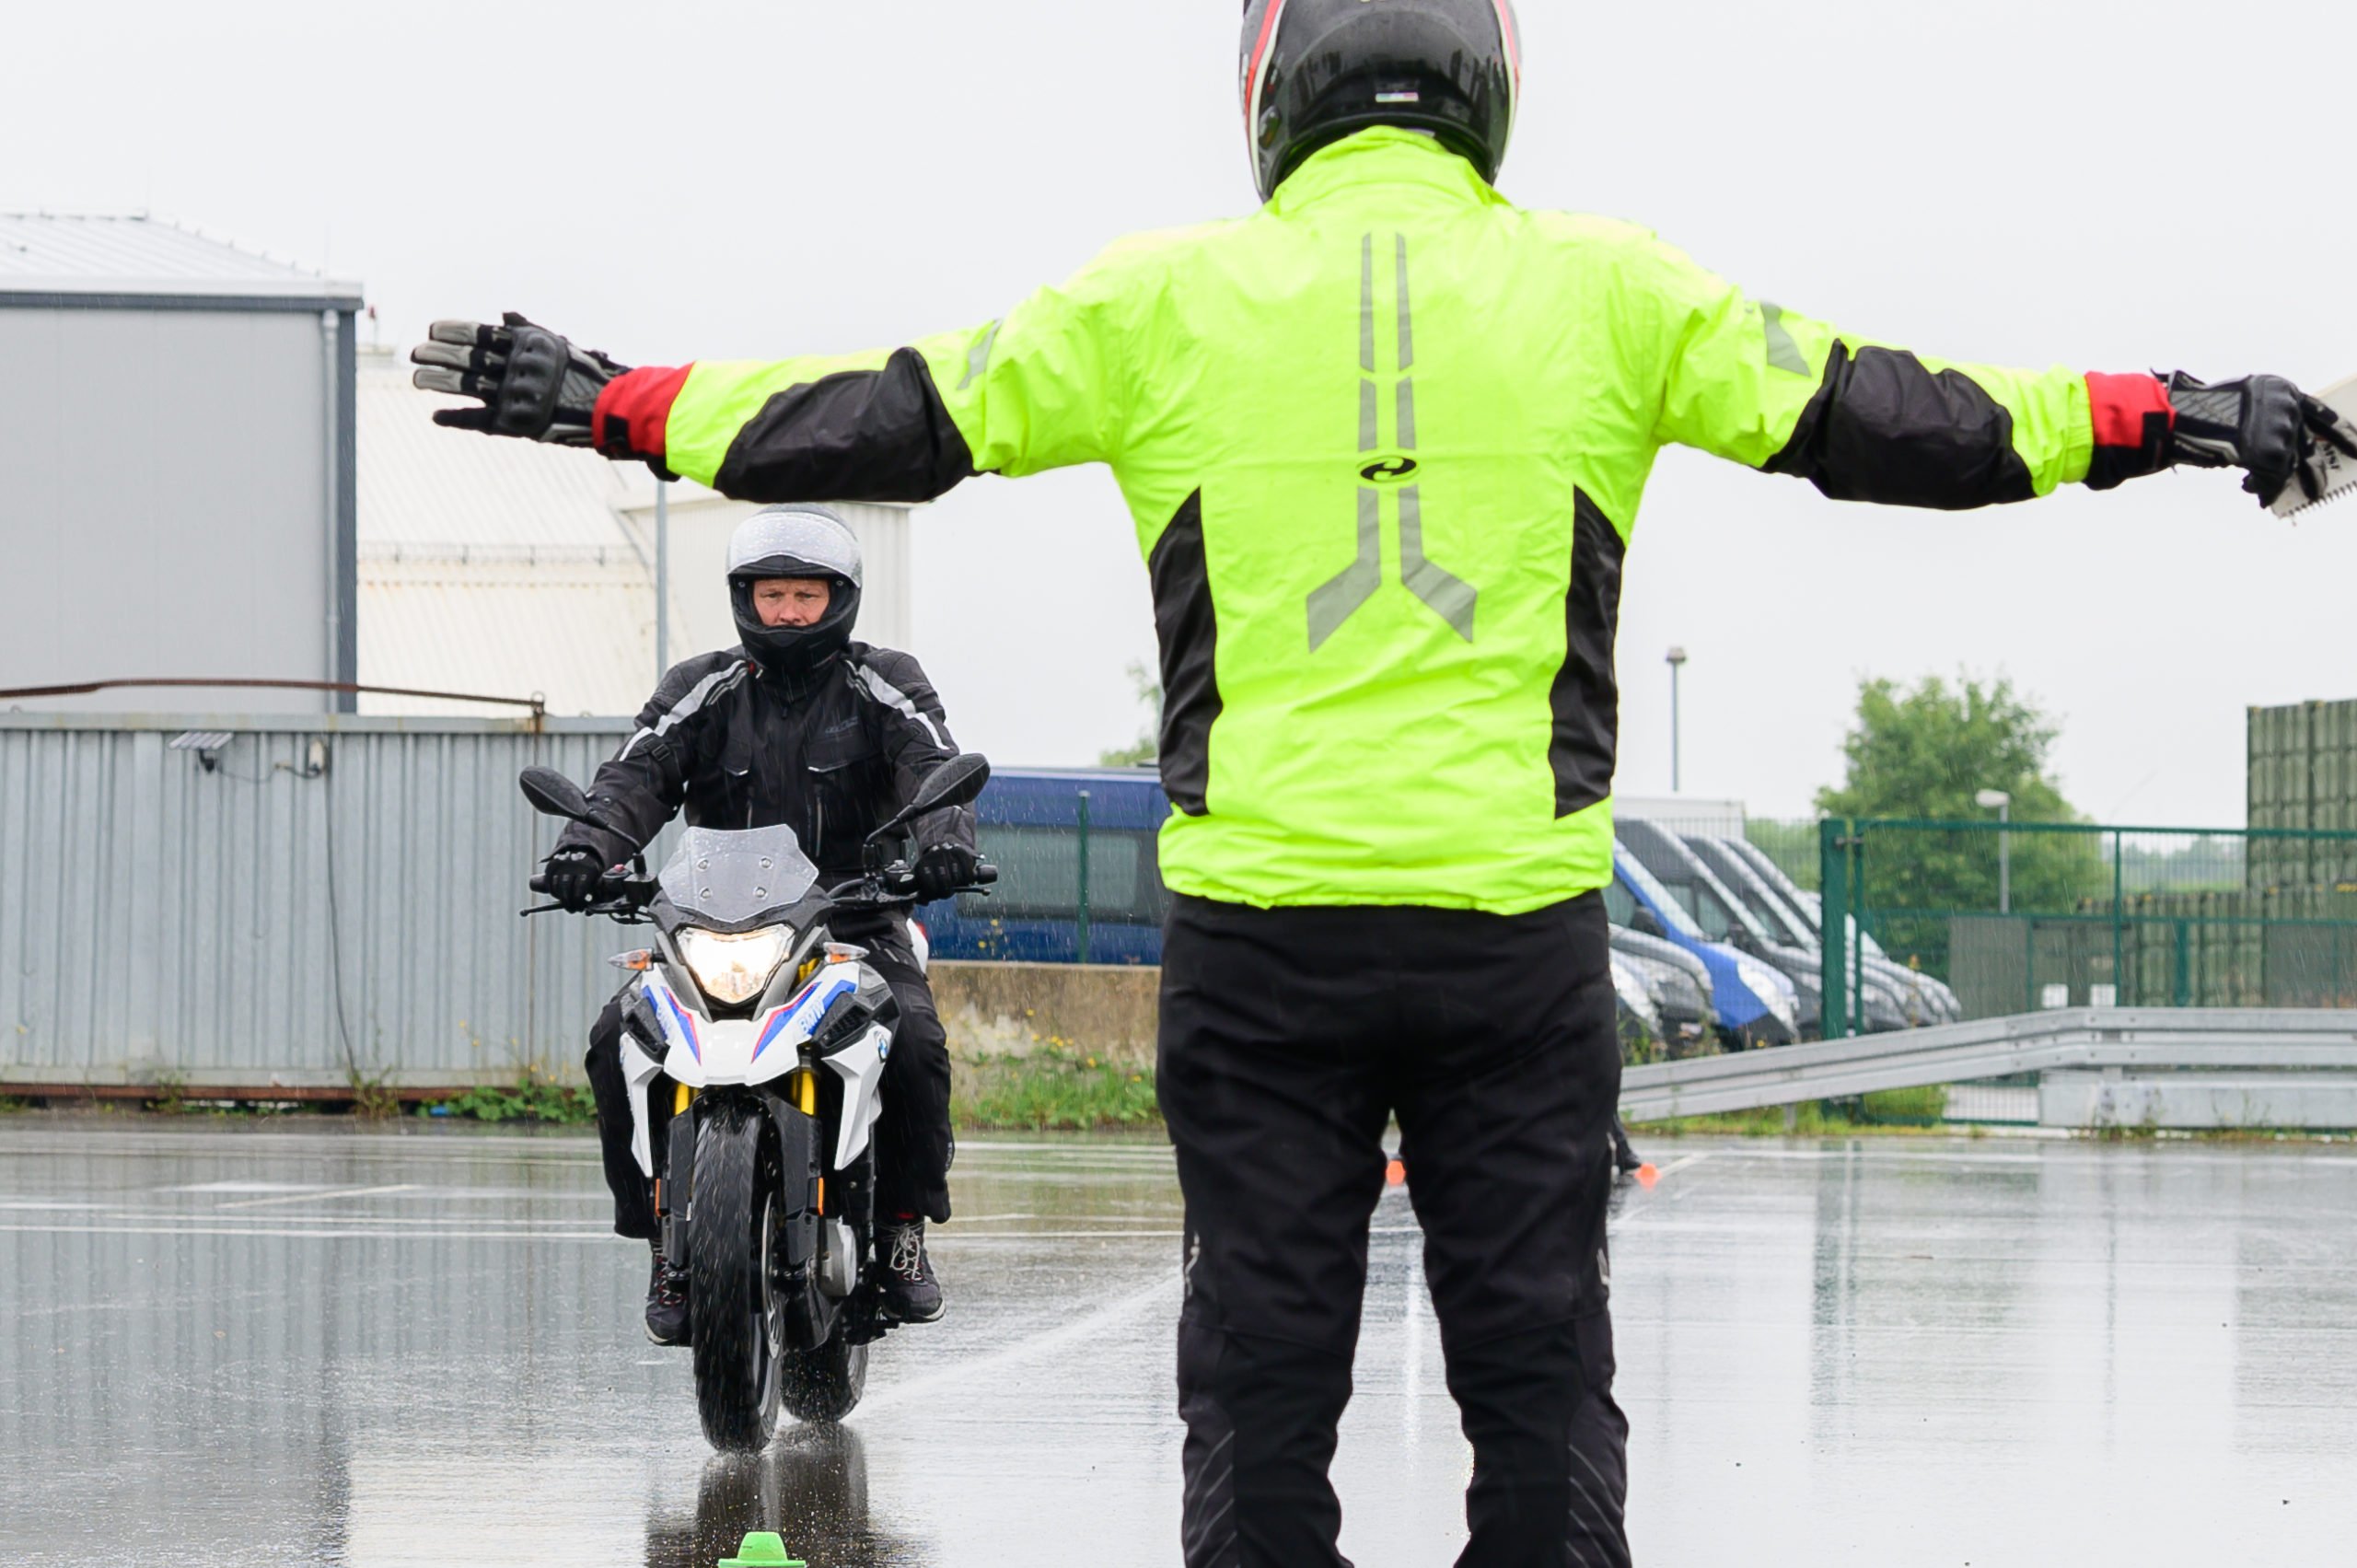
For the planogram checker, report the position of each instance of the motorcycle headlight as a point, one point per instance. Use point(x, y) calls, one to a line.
point(733, 966)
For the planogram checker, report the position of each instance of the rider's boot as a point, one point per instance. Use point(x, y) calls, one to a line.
point(911, 1293)
point(667, 1301)
point(1624, 1157)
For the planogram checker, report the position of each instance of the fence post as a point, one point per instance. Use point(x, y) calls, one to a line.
point(2120, 982)
point(2184, 962)
point(1832, 935)
point(1082, 933)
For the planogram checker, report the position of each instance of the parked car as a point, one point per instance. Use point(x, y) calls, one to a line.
point(1883, 1001)
point(1927, 999)
point(1722, 915)
point(1756, 1005)
point(1027, 822)
point(1641, 1037)
point(1681, 987)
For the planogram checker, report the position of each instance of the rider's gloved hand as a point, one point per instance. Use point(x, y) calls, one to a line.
point(943, 870)
point(532, 383)
point(573, 875)
point(2263, 424)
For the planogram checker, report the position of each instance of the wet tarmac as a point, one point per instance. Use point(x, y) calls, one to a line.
point(253, 1345)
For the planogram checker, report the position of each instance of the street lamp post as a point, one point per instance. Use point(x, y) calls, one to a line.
point(662, 580)
point(1997, 800)
point(1677, 661)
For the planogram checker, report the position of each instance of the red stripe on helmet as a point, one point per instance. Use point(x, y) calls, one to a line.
point(1514, 52)
point(1259, 65)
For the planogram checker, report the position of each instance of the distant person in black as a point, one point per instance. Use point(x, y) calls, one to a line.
point(803, 728)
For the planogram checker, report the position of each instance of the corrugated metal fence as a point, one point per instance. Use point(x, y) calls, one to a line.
point(334, 898)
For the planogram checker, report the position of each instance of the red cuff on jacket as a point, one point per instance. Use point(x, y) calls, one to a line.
point(2132, 421)
point(633, 409)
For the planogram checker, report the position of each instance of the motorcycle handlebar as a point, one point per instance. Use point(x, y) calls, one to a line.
point(617, 893)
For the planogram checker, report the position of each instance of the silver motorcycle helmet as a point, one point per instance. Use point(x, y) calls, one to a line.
point(798, 541)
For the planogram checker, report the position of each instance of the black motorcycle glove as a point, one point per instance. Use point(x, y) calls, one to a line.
point(2262, 424)
point(943, 870)
point(573, 875)
point(533, 383)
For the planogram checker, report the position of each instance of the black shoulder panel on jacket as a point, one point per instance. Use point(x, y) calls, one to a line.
point(1188, 630)
point(857, 435)
point(1883, 428)
point(1585, 696)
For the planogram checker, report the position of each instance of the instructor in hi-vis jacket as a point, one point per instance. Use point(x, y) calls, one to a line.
point(1384, 442)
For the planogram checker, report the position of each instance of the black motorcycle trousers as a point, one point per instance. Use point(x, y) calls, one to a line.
point(912, 1141)
point(1289, 1039)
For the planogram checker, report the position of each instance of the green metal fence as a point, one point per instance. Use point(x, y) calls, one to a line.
point(2020, 916)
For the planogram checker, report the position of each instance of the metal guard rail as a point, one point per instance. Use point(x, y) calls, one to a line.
point(2288, 1038)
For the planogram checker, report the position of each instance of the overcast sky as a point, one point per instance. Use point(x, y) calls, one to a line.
point(2100, 183)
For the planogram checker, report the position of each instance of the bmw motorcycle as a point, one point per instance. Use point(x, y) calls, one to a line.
point(774, 1034)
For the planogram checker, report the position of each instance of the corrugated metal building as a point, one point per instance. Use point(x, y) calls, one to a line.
point(301, 903)
point(176, 485)
point(510, 568)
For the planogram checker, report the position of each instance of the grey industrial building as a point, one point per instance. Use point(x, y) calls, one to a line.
point(178, 464)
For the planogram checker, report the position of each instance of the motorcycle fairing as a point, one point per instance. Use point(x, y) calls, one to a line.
point(707, 1052)
point(638, 1071)
point(861, 1066)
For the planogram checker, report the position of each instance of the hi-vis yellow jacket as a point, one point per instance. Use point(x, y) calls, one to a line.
point(1384, 442)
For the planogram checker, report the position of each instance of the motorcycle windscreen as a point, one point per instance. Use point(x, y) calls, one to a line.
point(729, 879)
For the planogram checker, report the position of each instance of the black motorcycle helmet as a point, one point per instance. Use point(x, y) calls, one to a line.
point(798, 541)
point(1315, 71)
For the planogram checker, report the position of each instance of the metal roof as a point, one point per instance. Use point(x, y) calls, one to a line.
point(69, 257)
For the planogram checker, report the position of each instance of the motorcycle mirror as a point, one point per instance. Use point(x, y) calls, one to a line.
point(956, 782)
point(553, 794)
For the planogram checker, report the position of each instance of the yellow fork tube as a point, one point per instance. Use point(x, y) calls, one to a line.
point(806, 1091)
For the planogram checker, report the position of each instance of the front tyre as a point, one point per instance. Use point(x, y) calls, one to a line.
point(733, 1238)
point(824, 1382)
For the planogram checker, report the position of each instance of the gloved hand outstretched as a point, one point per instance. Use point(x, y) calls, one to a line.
point(2263, 424)
point(573, 875)
point(943, 870)
point(532, 383)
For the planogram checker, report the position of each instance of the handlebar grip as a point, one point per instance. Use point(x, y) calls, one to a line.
point(539, 884)
point(985, 874)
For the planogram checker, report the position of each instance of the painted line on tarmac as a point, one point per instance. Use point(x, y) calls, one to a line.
point(318, 1197)
point(1078, 1330)
point(313, 1234)
point(1684, 1163)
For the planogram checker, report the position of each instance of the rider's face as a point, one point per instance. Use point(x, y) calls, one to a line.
point(790, 601)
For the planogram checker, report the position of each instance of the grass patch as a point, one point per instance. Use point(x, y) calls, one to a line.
point(1889, 1110)
point(532, 1098)
point(1052, 1089)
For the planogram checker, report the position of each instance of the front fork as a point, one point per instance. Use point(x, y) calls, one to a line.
point(677, 1178)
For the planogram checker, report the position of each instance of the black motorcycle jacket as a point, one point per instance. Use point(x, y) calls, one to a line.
point(830, 754)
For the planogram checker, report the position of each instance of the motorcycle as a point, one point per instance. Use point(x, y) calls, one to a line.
point(775, 1034)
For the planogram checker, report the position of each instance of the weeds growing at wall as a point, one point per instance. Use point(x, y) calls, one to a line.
point(530, 1099)
point(1052, 1089)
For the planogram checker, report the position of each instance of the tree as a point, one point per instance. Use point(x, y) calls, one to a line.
point(1925, 751)
point(1147, 745)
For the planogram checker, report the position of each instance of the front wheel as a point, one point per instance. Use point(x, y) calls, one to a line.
point(824, 1382)
point(736, 1314)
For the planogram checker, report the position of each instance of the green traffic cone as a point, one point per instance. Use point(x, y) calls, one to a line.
point(762, 1548)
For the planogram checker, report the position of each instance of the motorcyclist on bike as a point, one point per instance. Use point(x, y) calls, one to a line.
point(801, 727)
point(1384, 442)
